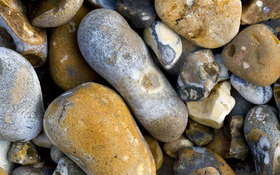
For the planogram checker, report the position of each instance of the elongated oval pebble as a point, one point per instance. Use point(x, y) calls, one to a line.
point(93, 126)
point(120, 56)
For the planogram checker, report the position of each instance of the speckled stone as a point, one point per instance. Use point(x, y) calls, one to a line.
point(23, 153)
point(165, 43)
point(56, 154)
point(199, 134)
point(42, 141)
point(120, 56)
point(223, 73)
point(260, 10)
point(141, 14)
point(155, 149)
point(172, 148)
point(252, 93)
point(66, 166)
point(199, 74)
point(108, 4)
point(4, 162)
point(21, 104)
point(261, 129)
point(209, 24)
point(191, 159)
point(251, 55)
point(30, 170)
point(98, 145)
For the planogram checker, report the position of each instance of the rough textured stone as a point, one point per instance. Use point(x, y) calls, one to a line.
point(172, 148)
point(155, 149)
point(120, 56)
point(165, 43)
point(251, 55)
point(198, 75)
point(213, 110)
point(21, 104)
point(199, 134)
point(192, 159)
point(141, 14)
point(209, 24)
point(4, 162)
point(42, 141)
point(68, 68)
point(261, 129)
point(101, 138)
point(66, 166)
point(56, 154)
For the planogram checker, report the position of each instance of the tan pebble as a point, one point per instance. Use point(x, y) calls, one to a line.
point(172, 148)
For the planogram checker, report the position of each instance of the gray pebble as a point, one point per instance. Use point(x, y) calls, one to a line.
point(223, 73)
point(21, 104)
point(56, 154)
point(42, 141)
point(108, 4)
point(30, 170)
point(252, 93)
point(4, 162)
point(66, 166)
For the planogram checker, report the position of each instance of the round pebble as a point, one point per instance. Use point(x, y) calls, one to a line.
point(56, 154)
point(42, 141)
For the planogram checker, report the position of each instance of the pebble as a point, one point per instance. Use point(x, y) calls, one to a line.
point(223, 73)
point(155, 149)
point(68, 68)
point(21, 104)
point(51, 13)
point(3, 172)
point(260, 10)
point(99, 145)
point(213, 110)
point(56, 154)
point(199, 74)
point(6, 40)
point(107, 4)
point(30, 42)
point(199, 134)
point(66, 166)
point(172, 148)
point(23, 153)
point(276, 93)
point(121, 57)
point(192, 160)
point(209, 24)
point(165, 43)
point(30, 170)
point(254, 94)
point(261, 129)
point(5, 164)
point(42, 141)
point(251, 55)
point(141, 14)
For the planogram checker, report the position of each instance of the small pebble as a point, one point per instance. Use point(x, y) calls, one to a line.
point(66, 166)
point(23, 153)
point(4, 162)
point(155, 149)
point(42, 141)
point(172, 148)
point(56, 154)
point(254, 94)
point(223, 73)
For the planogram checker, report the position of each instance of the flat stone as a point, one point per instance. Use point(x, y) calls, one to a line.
point(172, 148)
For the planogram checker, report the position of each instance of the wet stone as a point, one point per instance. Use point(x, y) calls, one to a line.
point(252, 93)
point(56, 154)
point(223, 73)
point(155, 149)
point(66, 166)
point(141, 14)
point(165, 43)
point(261, 129)
point(5, 164)
point(23, 153)
point(199, 74)
point(172, 148)
point(199, 134)
point(192, 160)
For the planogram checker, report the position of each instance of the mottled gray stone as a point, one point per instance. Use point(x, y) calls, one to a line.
point(66, 166)
point(21, 104)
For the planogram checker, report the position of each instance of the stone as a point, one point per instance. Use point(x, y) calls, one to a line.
point(199, 134)
point(121, 57)
point(100, 138)
point(213, 110)
point(223, 73)
point(66, 166)
point(141, 14)
point(209, 24)
point(206, 171)
point(108, 4)
point(3, 172)
point(254, 94)
point(276, 93)
point(172, 148)
point(165, 43)
point(30, 170)
point(51, 13)
point(56, 154)
point(21, 104)
point(155, 149)
point(198, 75)
point(167, 166)
point(5, 164)
point(251, 55)
point(68, 68)
point(23, 153)
point(42, 141)
point(260, 10)
point(238, 147)
point(273, 24)
point(261, 130)
point(191, 160)
point(30, 42)
point(6, 40)
point(245, 167)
